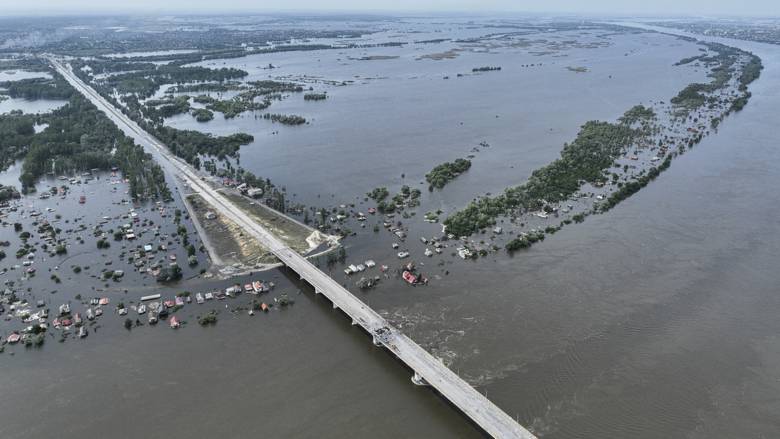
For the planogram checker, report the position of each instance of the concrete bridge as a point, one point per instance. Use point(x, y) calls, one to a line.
point(427, 369)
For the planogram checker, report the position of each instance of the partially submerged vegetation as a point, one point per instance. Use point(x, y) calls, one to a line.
point(595, 157)
point(696, 95)
point(37, 88)
point(407, 197)
point(524, 241)
point(202, 115)
point(750, 72)
point(285, 119)
point(210, 318)
point(246, 99)
point(145, 82)
point(486, 69)
point(77, 138)
point(446, 172)
point(586, 159)
point(378, 194)
point(8, 193)
point(187, 144)
point(689, 60)
point(315, 96)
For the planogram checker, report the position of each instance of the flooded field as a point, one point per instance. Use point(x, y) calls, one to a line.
point(656, 319)
point(400, 117)
point(16, 75)
point(29, 107)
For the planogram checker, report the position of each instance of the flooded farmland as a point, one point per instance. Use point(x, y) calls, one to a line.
point(657, 318)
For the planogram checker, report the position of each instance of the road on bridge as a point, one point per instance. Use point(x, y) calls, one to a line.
point(427, 368)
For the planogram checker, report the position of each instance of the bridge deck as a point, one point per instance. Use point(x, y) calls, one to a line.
point(473, 404)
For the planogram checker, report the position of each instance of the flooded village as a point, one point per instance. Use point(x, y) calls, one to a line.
point(468, 221)
point(86, 254)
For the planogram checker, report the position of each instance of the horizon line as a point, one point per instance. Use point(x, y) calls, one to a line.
point(201, 11)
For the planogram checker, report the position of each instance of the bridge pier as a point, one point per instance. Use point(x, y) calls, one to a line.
point(471, 403)
point(418, 380)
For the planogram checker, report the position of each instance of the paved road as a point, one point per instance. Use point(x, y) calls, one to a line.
point(473, 404)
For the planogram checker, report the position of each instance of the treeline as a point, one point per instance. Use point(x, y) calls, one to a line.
point(524, 241)
point(286, 119)
point(38, 88)
point(205, 87)
point(242, 102)
point(233, 107)
point(28, 63)
point(8, 193)
point(205, 55)
point(446, 172)
point(245, 100)
point(689, 60)
point(485, 69)
point(79, 137)
point(187, 144)
point(145, 177)
point(315, 96)
point(637, 113)
point(750, 72)
point(115, 66)
point(692, 96)
point(202, 114)
point(267, 87)
point(632, 187)
point(595, 149)
point(162, 108)
point(16, 132)
point(146, 82)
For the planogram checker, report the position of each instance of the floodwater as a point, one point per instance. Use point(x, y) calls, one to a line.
point(657, 319)
point(16, 75)
point(148, 53)
point(30, 107)
point(26, 105)
point(401, 117)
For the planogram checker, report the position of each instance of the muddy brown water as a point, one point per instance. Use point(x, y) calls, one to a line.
point(658, 319)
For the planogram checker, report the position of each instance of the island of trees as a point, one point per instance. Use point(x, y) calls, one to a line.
point(446, 172)
point(285, 119)
point(202, 115)
point(315, 96)
point(485, 69)
point(407, 197)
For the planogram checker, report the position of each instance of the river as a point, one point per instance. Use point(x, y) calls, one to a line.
point(657, 319)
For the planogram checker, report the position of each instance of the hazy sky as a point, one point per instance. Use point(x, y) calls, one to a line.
point(657, 7)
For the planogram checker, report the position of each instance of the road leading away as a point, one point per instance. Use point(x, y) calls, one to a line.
point(427, 368)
